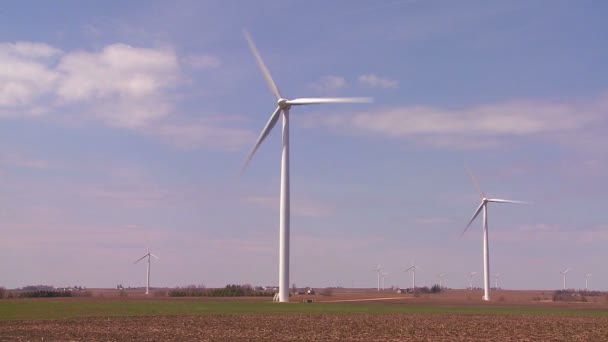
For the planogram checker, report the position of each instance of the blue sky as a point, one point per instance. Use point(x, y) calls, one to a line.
point(124, 125)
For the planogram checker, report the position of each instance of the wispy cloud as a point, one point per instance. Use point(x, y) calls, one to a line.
point(201, 62)
point(200, 134)
point(553, 233)
point(328, 83)
point(374, 81)
point(478, 126)
point(13, 159)
point(300, 207)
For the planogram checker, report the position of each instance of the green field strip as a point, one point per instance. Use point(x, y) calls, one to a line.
point(34, 310)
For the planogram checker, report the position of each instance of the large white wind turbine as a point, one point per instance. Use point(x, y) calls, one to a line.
point(148, 254)
point(564, 273)
point(587, 281)
point(486, 248)
point(471, 280)
point(283, 106)
point(379, 270)
point(413, 269)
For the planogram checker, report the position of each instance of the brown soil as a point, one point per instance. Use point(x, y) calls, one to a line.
point(294, 327)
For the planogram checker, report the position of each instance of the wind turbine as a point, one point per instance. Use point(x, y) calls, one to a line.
point(497, 278)
point(486, 249)
point(384, 274)
point(413, 268)
point(564, 272)
point(587, 281)
point(148, 254)
point(471, 280)
point(379, 270)
point(441, 275)
point(283, 106)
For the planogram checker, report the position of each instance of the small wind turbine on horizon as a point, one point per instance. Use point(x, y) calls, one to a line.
point(587, 281)
point(413, 269)
point(379, 270)
point(148, 254)
point(564, 274)
point(471, 280)
point(496, 278)
point(384, 274)
point(283, 106)
point(441, 275)
point(486, 248)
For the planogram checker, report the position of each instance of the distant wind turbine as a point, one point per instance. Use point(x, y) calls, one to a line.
point(283, 106)
point(384, 274)
point(148, 254)
point(413, 269)
point(441, 275)
point(587, 281)
point(497, 278)
point(564, 273)
point(486, 249)
point(379, 270)
point(471, 280)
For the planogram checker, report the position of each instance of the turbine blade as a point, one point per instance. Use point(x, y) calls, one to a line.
point(138, 260)
point(314, 100)
point(155, 256)
point(269, 125)
point(498, 200)
point(409, 268)
point(475, 183)
point(472, 218)
point(265, 72)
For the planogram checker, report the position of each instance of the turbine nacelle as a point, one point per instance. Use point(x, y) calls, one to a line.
point(282, 103)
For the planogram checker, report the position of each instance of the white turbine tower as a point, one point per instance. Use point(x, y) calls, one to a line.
point(379, 270)
point(471, 280)
point(441, 275)
point(587, 281)
point(384, 274)
point(148, 254)
point(413, 269)
point(564, 273)
point(283, 106)
point(497, 279)
point(486, 249)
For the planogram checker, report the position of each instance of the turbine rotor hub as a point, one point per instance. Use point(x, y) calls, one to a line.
point(282, 103)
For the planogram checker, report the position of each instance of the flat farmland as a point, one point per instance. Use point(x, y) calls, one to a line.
point(345, 316)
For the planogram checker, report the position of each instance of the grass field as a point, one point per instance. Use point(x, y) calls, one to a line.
point(58, 309)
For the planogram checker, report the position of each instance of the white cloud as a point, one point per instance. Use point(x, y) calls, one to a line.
point(118, 70)
point(201, 62)
point(26, 72)
point(328, 83)
point(372, 80)
point(29, 50)
point(119, 85)
point(477, 126)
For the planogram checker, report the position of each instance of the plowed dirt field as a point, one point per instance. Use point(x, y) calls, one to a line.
point(300, 327)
